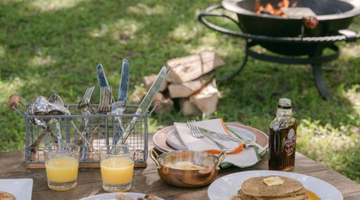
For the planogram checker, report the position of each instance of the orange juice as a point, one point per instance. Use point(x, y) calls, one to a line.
point(61, 166)
point(117, 171)
point(62, 169)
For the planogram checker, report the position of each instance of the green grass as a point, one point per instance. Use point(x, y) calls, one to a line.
point(54, 46)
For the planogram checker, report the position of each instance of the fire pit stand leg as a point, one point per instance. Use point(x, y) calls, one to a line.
point(230, 76)
point(317, 69)
point(320, 85)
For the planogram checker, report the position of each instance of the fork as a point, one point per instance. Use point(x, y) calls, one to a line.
point(196, 132)
point(105, 102)
point(85, 109)
point(84, 105)
point(105, 105)
point(247, 143)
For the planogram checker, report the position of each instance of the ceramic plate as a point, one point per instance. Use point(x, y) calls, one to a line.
point(174, 140)
point(160, 137)
point(20, 188)
point(228, 186)
point(247, 135)
point(111, 196)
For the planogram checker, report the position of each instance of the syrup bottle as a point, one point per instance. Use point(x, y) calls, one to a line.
point(282, 138)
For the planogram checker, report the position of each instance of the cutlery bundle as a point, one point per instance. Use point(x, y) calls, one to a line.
point(50, 122)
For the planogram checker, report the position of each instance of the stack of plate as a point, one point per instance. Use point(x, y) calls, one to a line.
point(167, 139)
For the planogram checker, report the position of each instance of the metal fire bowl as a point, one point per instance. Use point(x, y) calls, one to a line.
point(284, 35)
point(187, 178)
point(333, 15)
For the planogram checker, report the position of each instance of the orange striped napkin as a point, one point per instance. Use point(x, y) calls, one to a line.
point(238, 156)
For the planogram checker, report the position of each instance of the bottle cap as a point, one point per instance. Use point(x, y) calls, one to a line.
point(284, 103)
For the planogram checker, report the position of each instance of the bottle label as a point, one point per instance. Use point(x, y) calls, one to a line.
point(289, 143)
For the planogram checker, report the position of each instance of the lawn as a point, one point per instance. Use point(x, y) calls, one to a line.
point(54, 46)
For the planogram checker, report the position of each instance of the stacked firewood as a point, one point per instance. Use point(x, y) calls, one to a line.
point(190, 84)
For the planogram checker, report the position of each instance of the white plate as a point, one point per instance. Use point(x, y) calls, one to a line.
point(159, 139)
point(20, 188)
point(228, 186)
point(247, 135)
point(173, 138)
point(111, 196)
point(161, 150)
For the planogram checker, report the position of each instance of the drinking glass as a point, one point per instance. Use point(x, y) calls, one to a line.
point(62, 166)
point(117, 167)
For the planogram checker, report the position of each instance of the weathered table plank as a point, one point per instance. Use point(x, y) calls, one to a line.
point(146, 180)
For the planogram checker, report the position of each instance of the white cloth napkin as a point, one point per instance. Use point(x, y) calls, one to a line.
point(246, 158)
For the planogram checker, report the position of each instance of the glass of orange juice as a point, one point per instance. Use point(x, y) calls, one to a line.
point(117, 167)
point(62, 166)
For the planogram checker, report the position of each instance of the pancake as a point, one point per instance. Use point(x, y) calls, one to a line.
point(248, 197)
point(301, 194)
point(298, 197)
point(257, 188)
point(293, 194)
point(244, 196)
point(6, 196)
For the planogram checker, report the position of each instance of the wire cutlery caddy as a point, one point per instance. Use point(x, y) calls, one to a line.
point(101, 128)
point(51, 123)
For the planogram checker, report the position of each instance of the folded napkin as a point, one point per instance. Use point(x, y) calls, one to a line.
point(239, 156)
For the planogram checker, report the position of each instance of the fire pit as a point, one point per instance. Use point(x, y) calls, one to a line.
point(290, 28)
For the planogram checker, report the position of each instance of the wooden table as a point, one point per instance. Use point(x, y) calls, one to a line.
point(146, 180)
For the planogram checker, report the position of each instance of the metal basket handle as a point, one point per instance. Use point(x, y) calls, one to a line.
point(14, 102)
point(157, 104)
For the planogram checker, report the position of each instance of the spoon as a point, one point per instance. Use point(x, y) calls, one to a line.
point(40, 107)
point(56, 99)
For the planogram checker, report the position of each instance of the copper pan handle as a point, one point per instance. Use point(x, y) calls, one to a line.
point(14, 101)
point(154, 156)
point(220, 159)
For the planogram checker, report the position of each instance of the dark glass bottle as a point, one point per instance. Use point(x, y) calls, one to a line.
point(282, 138)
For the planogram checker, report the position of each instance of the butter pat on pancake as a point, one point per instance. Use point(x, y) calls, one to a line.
point(273, 180)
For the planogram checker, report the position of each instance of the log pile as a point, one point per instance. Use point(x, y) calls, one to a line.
point(190, 85)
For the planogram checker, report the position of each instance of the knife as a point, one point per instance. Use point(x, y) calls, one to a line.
point(234, 137)
point(103, 82)
point(145, 103)
point(124, 82)
point(119, 107)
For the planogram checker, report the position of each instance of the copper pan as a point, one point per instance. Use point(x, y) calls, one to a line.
point(188, 178)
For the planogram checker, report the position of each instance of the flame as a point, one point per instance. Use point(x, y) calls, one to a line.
point(272, 9)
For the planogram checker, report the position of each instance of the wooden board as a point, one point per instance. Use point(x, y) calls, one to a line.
point(147, 180)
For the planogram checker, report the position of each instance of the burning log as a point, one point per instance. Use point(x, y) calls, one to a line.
point(270, 9)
